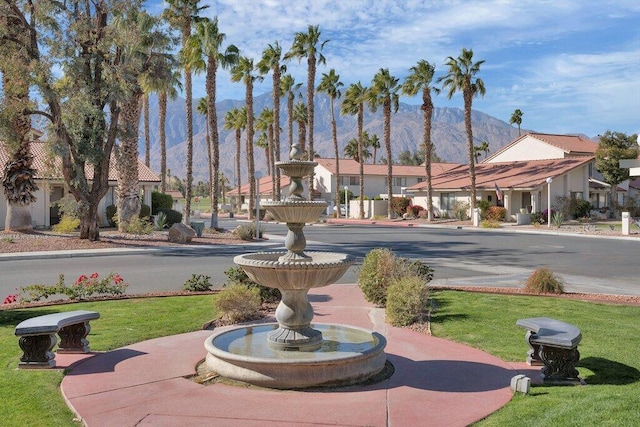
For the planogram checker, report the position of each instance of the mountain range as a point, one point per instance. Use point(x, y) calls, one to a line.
point(448, 134)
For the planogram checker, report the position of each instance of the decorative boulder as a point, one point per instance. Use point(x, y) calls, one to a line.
point(180, 233)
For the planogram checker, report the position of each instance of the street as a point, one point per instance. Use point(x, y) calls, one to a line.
point(459, 256)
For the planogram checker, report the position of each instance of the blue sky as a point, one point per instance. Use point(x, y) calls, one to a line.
point(571, 66)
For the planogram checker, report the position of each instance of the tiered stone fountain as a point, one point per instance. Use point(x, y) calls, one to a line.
point(295, 353)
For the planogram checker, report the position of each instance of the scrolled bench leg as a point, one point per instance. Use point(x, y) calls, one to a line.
point(73, 338)
point(37, 351)
point(559, 365)
point(532, 355)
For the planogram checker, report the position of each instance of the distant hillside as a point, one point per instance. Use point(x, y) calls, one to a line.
point(448, 134)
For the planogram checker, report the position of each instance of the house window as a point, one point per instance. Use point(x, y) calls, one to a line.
point(353, 180)
point(400, 181)
point(447, 200)
point(420, 179)
point(348, 180)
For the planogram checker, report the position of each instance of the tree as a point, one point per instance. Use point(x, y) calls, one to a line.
point(202, 108)
point(419, 80)
point(613, 147)
point(270, 61)
point(181, 14)
point(243, 72)
point(331, 84)
point(374, 142)
point(352, 150)
point(301, 118)
point(353, 104)
point(140, 38)
point(289, 87)
point(165, 82)
point(408, 158)
point(305, 45)
point(206, 42)
point(265, 123)
point(18, 173)
point(80, 77)
point(236, 119)
point(516, 118)
point(462, 78)
point(384, 92)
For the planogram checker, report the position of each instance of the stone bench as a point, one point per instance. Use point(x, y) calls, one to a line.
point(38, 337)
point(554, 344)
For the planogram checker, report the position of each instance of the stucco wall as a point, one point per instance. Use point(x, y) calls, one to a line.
point(528, 149)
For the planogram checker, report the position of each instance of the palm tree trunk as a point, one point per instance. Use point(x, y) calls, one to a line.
point(360, 159)
point(276, 127)
point(147, 137)
point(189, 104)
point(290, 118)
point(127, 165)
point(334, 137)
point(238, 170)
point(428, 148)
point(387, 144)
point(212, 68)
point(472, 167)
point(311, 61)
point(162, 135)
point(251, 170)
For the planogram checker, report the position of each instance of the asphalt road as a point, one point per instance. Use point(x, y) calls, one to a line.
point(465, 256)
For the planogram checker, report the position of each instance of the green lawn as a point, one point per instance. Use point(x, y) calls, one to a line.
point(610, 361)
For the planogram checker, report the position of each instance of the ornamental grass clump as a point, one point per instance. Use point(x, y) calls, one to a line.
point(407, 301)
point(543, 281)
point(238, 303)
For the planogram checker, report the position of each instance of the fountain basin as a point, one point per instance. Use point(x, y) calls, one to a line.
point(315, 270)
point(349, 355)
point(295, 211)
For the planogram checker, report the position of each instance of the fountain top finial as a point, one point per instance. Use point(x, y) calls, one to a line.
point(295, 153)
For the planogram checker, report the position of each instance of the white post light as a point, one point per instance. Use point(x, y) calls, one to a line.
point(549, 181)
point(257, 176)
point(346, 206)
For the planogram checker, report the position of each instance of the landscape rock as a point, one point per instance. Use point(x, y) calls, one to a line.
point(180, 233)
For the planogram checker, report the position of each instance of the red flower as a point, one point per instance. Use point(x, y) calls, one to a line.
point(10, 299)
point(81, 279)
point(117, 279)
point(94, 276)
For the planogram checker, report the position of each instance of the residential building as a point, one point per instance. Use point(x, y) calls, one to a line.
point(51, 187)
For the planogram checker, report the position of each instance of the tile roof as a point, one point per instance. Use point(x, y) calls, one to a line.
point(507, 175)
point(48, 166)
point(572, 145)
point(265, 186)
point(351, 167)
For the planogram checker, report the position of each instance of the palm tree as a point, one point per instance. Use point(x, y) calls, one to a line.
point(165, 82)
point(384, 92)
point(301, 118)
point(207, 42)
point(289, 87)
point(516, 118)
point(243, 72)
point(265, 123)
point(202, 108)
point(461, 77)
point(419, 79)
point(331, 84)
point(181, 14)
point(484, 147)
point(146, 126)
point(353, 104)
point(477, 150)
point(351, 150)
point(17, 174)
point(236, 119)
point(270, 61)
point(305, 45)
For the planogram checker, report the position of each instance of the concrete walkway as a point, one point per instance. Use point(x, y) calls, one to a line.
point(436, 382)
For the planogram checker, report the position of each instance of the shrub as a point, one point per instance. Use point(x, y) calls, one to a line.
point(545, 215)
point(247, 231)
point(557, 219)
point(173, 217)
point(161, 221)
point(399, 205)
point(414, 268)
point(84, 287)
point(407, 301)
point(460, 210)
point(483, 205)
point(197, 283)
point(236, 275)
point(68, 205)
point(111, 215)
point(145, 211)
point(536, 218)
point(67, 224)
point(376, 274)
point(543, 281)
point(159, 201)
point(138, 226)
point(487, 223)
point(495, 213)
point(416, 210)
point(237, 303)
